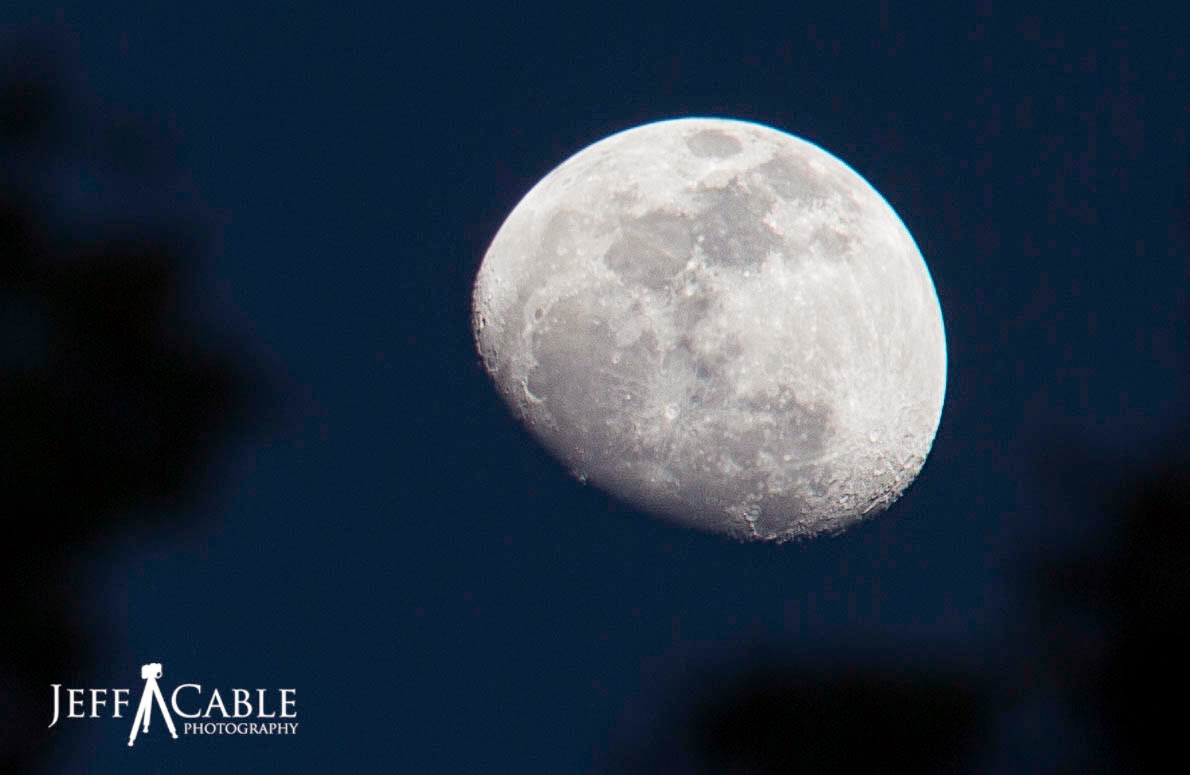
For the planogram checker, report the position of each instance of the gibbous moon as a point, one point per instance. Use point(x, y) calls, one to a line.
point(720, 323)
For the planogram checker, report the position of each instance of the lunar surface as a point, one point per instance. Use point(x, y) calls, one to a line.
point(720, 323)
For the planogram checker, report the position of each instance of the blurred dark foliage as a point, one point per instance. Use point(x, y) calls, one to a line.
point(1144, 592)
point(110, 402)
point(778, 717)
point(862, 720)
point(1130, 592)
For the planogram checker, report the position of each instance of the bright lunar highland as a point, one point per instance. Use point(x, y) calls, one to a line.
point(720, 323)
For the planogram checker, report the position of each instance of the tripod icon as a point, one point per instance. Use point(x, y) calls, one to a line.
point(150, 673)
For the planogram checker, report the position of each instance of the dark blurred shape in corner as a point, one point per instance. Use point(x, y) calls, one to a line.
point(111, 401)
point(798, 721)
point(778, 715)
point(1146, 597)
point(1113, 615)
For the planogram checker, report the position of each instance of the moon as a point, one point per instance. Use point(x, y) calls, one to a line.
point(720, 323)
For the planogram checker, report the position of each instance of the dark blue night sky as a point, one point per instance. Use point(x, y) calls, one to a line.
point(383, 537)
